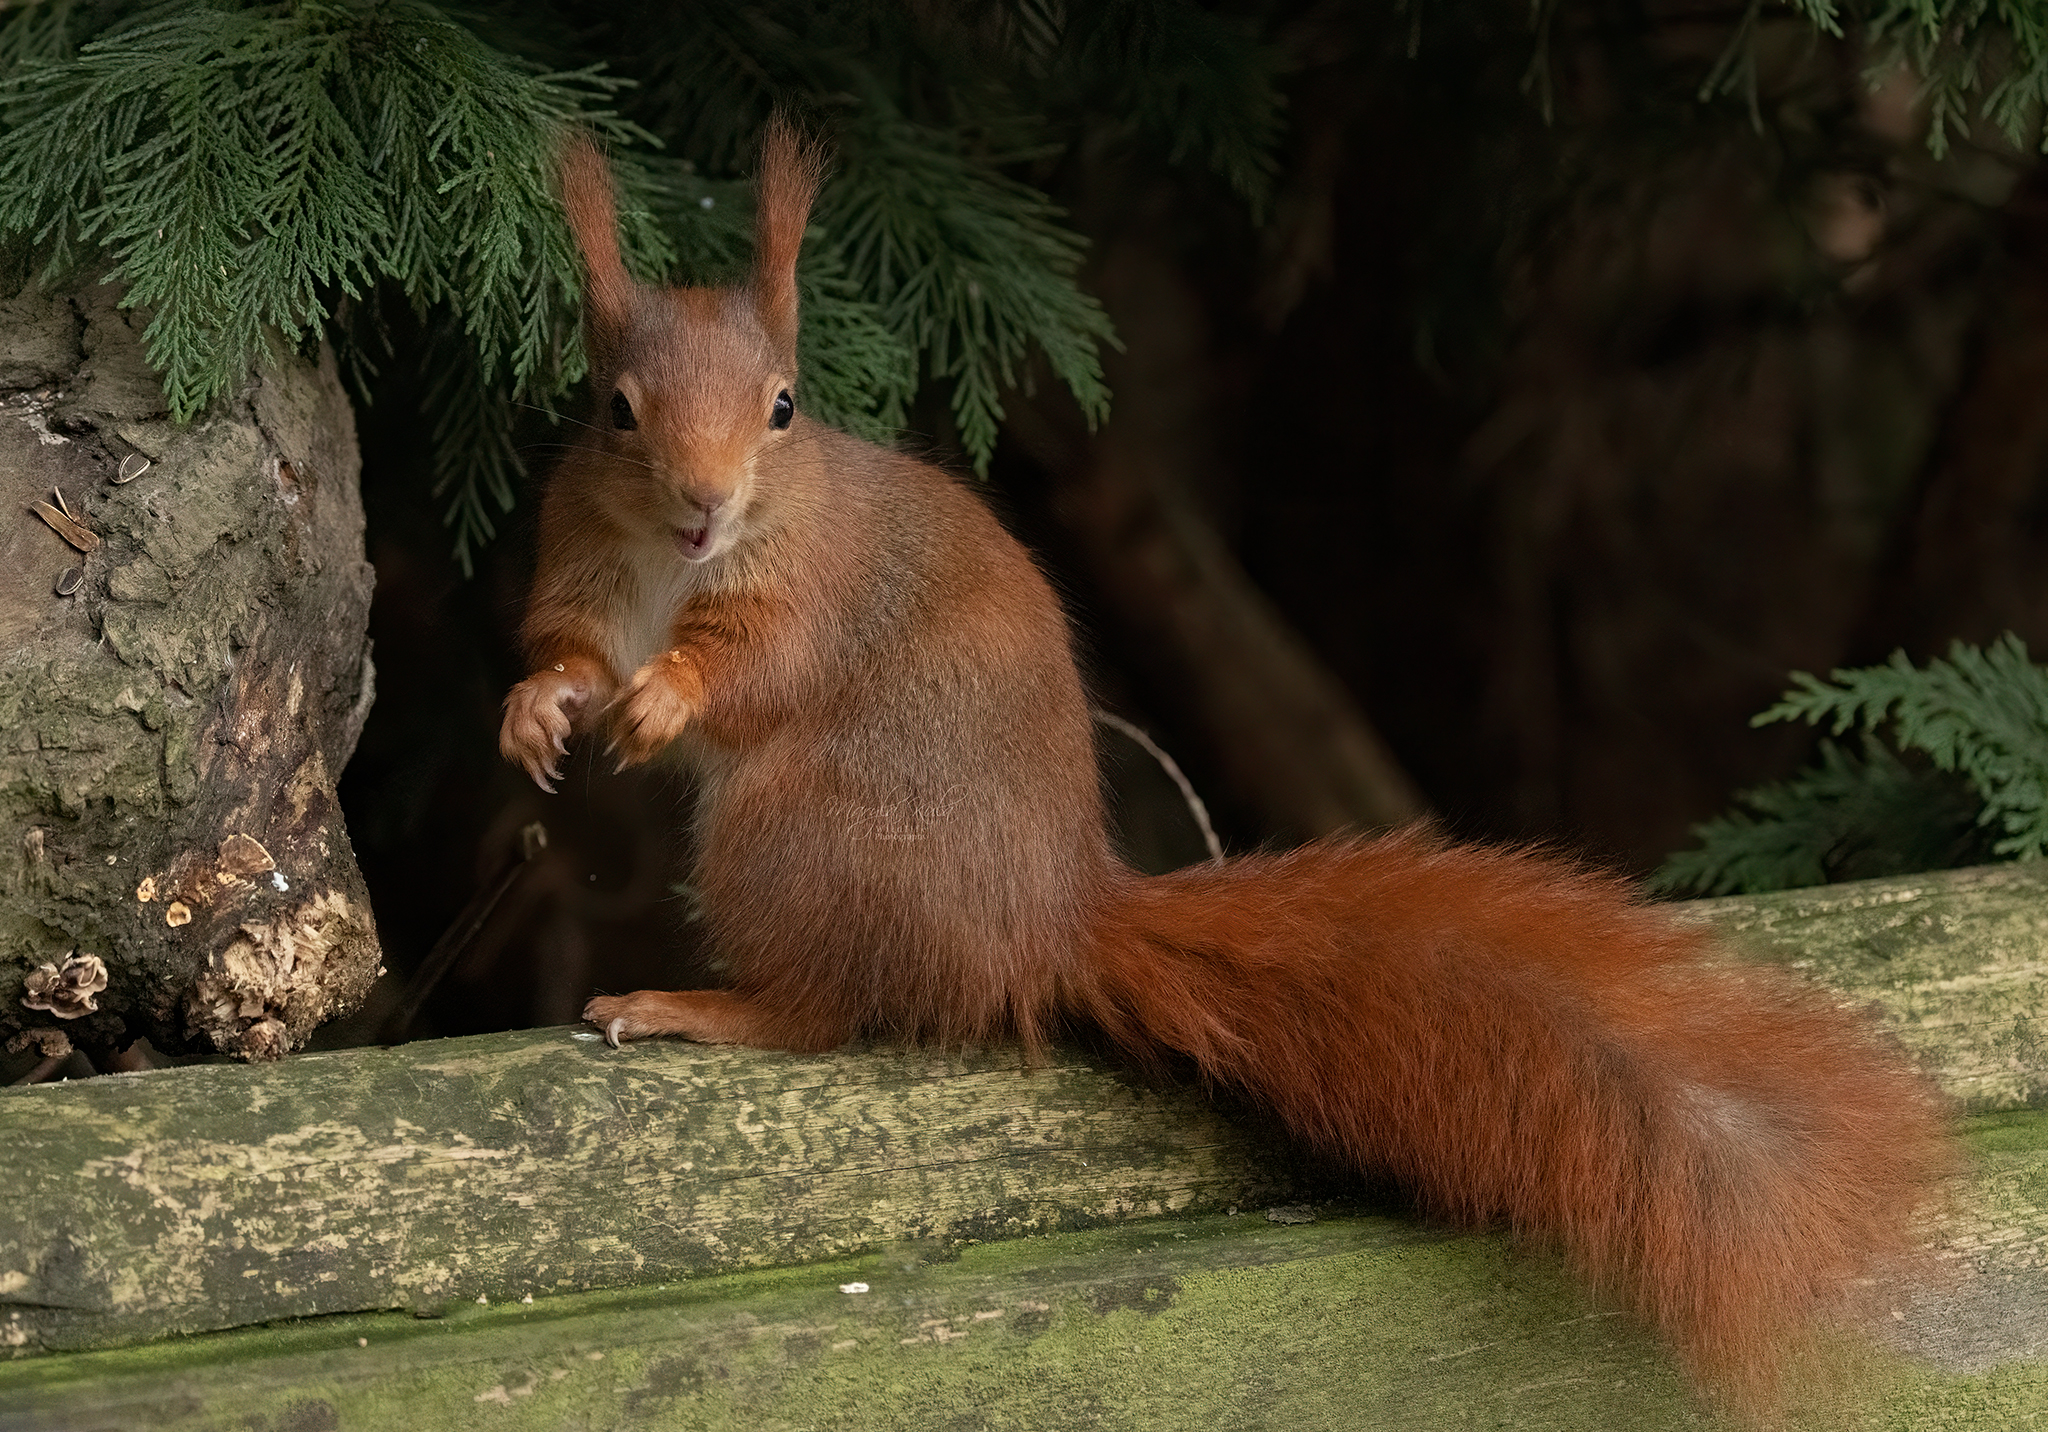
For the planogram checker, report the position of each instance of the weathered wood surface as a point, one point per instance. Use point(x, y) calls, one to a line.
point(545, 1164)
point(218, 1196)
point(1212, 1323)
point(1957, 961)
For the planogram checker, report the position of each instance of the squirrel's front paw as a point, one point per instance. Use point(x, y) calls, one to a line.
point(539, 717)
point(654, 709)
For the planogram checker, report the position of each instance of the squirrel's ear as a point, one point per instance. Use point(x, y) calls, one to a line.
point(594, 219)
point(791, 169)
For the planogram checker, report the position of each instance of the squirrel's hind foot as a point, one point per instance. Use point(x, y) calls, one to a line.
point(709, 1016)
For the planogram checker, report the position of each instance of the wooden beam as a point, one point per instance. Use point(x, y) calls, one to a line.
point(1956, 961)
point(1356, 1322)
point(419, 1177)
point(544, 1163)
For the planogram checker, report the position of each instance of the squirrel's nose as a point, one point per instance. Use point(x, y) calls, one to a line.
point(702, 499)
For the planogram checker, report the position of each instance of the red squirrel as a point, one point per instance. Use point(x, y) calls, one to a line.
point(900, 834)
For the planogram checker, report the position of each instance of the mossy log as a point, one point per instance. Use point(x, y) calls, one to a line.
point(216, 1196)
point(1216, 1323)
point(1048, 1248)
point(183, 619)
point(1956, 963)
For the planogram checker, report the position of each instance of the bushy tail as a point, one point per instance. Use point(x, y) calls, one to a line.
point(1718, 1146)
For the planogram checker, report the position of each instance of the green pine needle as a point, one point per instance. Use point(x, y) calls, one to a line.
point(1983, 714)
point(973, 267)
point(1851, 817)
point(1981, 721)
point(1971, 58)
point(1198, 80)
point(245, 167)
point(248, 169)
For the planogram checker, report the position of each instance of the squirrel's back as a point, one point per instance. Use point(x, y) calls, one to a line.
point(932, 802)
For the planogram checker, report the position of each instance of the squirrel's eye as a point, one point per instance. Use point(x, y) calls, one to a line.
point(622, 413)
point(783, 411)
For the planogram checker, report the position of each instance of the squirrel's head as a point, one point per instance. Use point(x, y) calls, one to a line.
point(695, 385)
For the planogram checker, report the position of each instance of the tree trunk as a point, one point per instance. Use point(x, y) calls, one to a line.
point(174, 725)
point(1291, 744)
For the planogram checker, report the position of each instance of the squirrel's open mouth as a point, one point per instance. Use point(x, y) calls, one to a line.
point(694, 542)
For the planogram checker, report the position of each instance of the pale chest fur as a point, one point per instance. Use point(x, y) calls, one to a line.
point(655, 583)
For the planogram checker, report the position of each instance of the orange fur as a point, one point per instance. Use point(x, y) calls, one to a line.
point(593, 218)
point(1517, 1041)
point(900, 834)
point(790, 173)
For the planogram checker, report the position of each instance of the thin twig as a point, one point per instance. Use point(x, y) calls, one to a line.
point(1174, 773)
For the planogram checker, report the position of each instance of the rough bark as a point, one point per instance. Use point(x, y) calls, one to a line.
point(170, 733)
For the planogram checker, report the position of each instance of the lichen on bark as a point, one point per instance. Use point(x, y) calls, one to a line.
point(170, 733)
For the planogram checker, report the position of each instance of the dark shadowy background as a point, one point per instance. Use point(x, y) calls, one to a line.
point(1501, 473)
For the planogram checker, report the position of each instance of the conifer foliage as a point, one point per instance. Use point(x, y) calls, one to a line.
point(245, 167)
point(1965, 58)
point(1980, 720)
point(293, 167)
point(1969, 58)
point(1854, 815)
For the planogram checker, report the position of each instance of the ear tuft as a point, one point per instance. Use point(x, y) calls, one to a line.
point(792, 167)
point(594, 219)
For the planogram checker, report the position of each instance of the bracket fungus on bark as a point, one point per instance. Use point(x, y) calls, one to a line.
point(171, 727)
point(66, 990)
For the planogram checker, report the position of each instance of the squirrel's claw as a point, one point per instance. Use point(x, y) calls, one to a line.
point(542, 773)
point(651, 714)
point(604, 1012)
point(538, 724)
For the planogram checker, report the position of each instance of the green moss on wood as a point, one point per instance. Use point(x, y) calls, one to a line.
point(1213, 1323)
point(545, 1165)
point(217, 1196)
